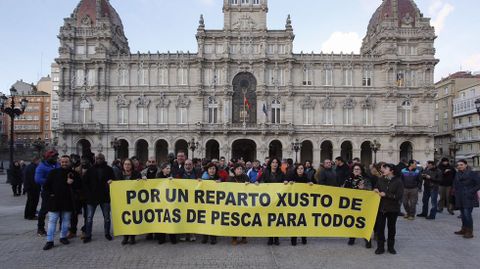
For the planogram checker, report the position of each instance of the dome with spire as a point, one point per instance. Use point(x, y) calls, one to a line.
point(398, 12)
point(89, 12)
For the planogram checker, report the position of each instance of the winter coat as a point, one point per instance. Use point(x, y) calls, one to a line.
point(435, 179)
point(448, 175)
point(189, 175)
point(354, 181)
point(29, 184)
point(253, 174)
point(310, 173)
point(42, 171)
point(95, 184)
point(328, 177)
point(243, 178)
point(16, 174)
point(300, 179)
point(269, 177)
point(411, 179)
point(149, 173)
point(343, 173)
point(135, 175)
point(177, 170)
point(61, 194)
point(466, 185)
point(393, 189)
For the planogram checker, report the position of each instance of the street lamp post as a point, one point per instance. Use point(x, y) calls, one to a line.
point(193, 145)
point(375, 146)
point(13, 112)
point(115, 143)
point(296, 146)
point(454, 148)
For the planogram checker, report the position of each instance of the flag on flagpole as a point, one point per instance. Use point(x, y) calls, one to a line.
point(246, 104)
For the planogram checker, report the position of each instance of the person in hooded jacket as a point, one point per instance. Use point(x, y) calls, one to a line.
point(239, 176)
point(32, 189)
point(445, 186)
point(390, 189)
point(272, 174)
point(211, 173)
point(49, 163)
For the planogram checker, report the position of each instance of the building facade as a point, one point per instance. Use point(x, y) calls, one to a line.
point(245, 93)
point(447, 89)
point(34, 124)
point(467, 124)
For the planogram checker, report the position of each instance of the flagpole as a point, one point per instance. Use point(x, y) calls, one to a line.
point(244, 109)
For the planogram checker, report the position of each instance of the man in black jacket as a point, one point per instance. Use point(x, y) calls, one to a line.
point(178, 167)
point(328, 176)
point(97, 190)
point(342, 170)
point(32, 189)
point(59, 188)
point(431, 179)
point(448, 174)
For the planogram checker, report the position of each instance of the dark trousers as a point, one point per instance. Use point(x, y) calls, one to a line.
point(429, 194)
point(162, 238)
point(43, 212)
point(388, 219)
point(17, 189)
point(82, 209)
point(33, 197)
point(467, 219)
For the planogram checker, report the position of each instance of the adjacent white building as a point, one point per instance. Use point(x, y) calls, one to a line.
point(245, 92)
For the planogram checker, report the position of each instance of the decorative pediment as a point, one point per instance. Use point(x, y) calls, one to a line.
point(86, 21)
point(307, 102)
point(368, 102)
point(349, 103)
point(122, 101)
point(328, 103)
point(142, 101)
point(245, 23)
point(183, 101)
point(85, 101)
point(163, 102)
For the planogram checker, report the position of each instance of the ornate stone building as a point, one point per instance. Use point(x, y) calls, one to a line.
point(245, 93)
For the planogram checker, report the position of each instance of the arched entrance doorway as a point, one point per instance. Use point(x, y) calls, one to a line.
point(406, 151)
point(181, 145)
point(306, 153)
point(244, 98)
point(122, 153)
point(212, 150)
point(275, 149)
point(326, 151)
point(141, 151)
point(366, 154)
point(347, 151)
point(244, 148)
point(161, 151)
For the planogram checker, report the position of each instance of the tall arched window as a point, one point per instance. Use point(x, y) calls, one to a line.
point(276, 108)
point(212, 110)
point(85, 111)
point(407, 113)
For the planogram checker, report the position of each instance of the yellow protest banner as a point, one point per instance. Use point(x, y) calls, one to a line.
point(236, 209)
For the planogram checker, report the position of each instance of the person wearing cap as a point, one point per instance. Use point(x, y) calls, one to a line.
point(390, 189)
point(97, 191)
point(447, 176)
point(49, 163)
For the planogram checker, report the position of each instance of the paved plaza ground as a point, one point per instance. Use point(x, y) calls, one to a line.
point(420, 244)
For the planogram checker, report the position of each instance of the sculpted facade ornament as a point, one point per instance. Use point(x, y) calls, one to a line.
point(86, 21)
point(368, 102)
point(183, 101)
point(163, 102)
point(122, 101)
point(142, 101)
point(349, 103)
point(328, 103)
point(307, 102)
point(245, 23)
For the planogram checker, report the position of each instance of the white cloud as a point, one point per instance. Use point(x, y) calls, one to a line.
point(439, 11)
point(345, 42)
point(472, 63)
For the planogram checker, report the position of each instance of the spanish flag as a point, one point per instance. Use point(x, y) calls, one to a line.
point(246, 104)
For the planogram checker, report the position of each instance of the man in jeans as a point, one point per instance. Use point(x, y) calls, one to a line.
point(97, 190)
point(431, 178)
point(448, 174)
point(412, 183)
point(59, 188)
point(41, 172)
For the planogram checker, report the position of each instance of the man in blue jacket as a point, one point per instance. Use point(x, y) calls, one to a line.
point(49, 163)
point(412, 183)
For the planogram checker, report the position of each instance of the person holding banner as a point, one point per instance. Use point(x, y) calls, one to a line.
point(272, 174)
point(129, 174)
point(211, 173)
point(358, 181)
point(239, 177)
point(390, 189)
point(166, 172)
point(299, 176)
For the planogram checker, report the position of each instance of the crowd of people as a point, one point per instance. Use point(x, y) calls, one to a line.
point(72, 186)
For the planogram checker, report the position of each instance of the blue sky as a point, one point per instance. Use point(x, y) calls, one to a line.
point(29, 29)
